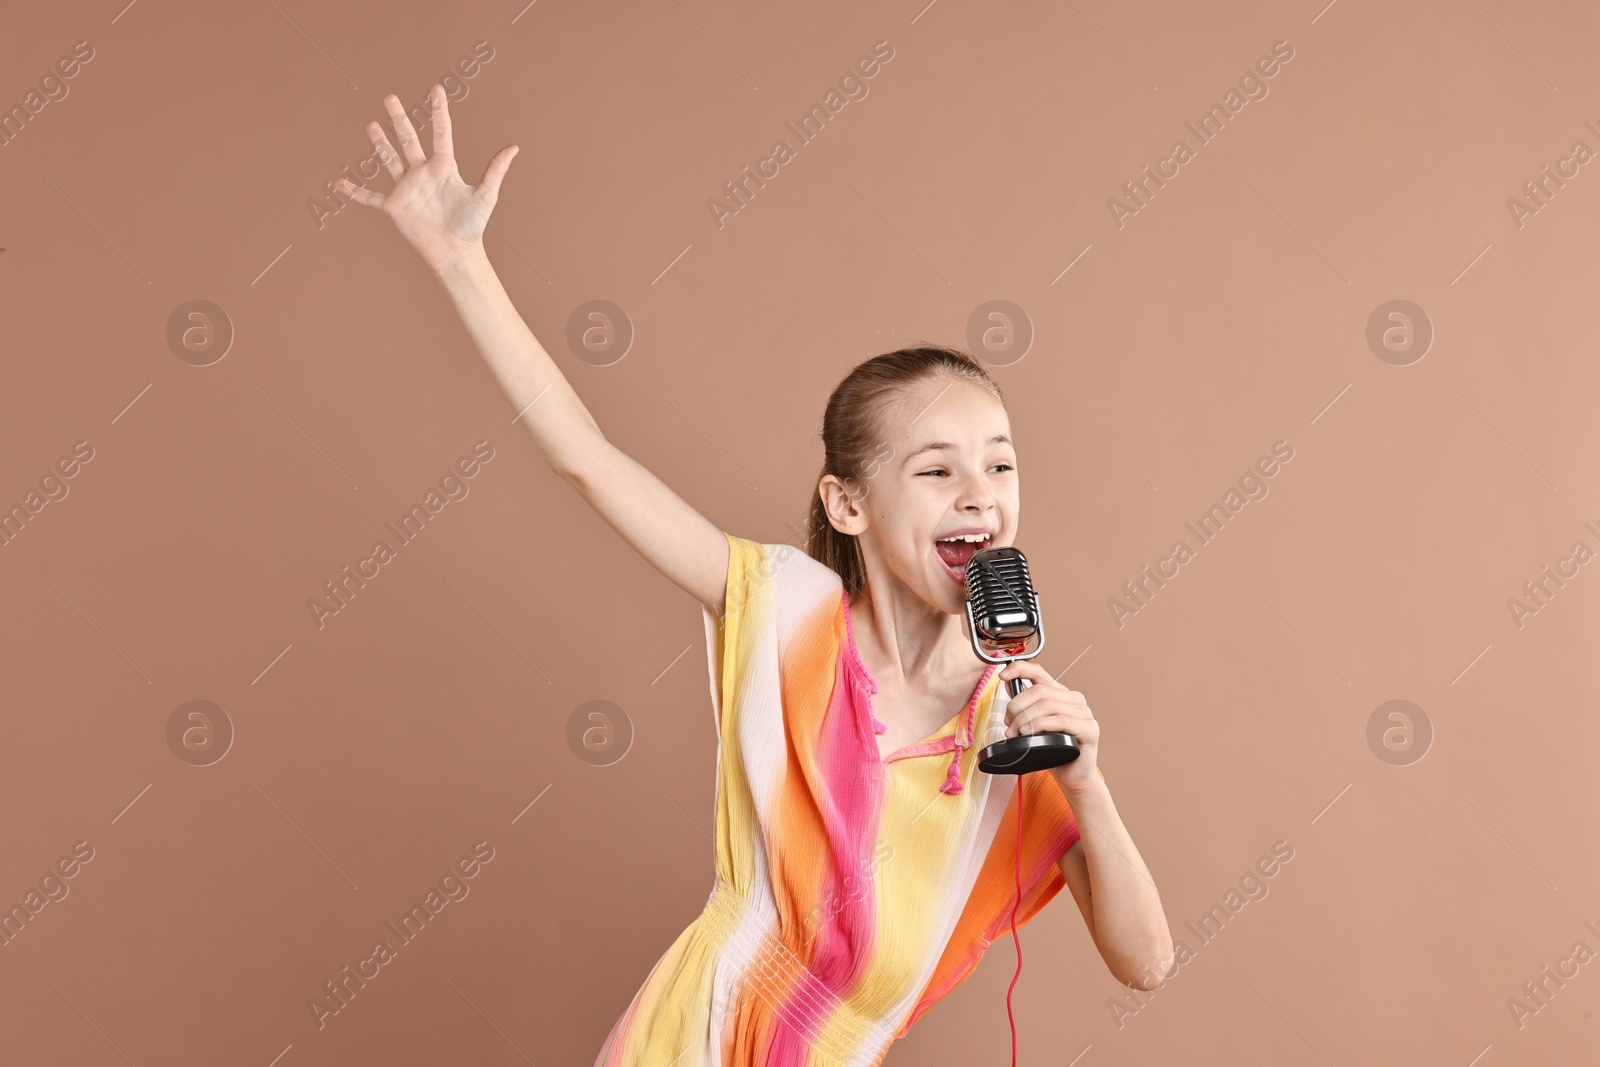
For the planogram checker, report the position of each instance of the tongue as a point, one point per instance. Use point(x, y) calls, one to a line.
point(956, 553)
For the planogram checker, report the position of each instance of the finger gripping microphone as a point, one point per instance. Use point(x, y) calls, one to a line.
point(1004, 624)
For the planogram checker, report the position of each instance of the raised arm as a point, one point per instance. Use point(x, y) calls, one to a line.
point(443, 218)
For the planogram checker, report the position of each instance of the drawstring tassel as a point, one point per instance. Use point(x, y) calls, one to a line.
point(952, 778)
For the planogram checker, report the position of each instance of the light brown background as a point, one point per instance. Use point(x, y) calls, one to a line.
point(433, 710)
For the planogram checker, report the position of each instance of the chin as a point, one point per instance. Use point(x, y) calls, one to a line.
point(948, 598)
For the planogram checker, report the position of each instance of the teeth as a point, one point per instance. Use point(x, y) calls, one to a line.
point(966, 537)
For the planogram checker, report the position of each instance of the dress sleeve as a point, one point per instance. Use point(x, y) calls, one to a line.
point(728, 634)
point(779, 600)
point(1049, 829)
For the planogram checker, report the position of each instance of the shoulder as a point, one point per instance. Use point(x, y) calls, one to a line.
point(779, 584)
point(779, 564)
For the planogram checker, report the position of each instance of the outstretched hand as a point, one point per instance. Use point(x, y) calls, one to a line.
point(438, 214)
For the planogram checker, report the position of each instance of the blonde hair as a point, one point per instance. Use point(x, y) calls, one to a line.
point(852, 437)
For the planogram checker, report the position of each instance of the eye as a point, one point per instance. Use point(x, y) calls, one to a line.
point(940, 470)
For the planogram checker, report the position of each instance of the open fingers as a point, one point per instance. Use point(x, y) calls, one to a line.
point(358, 194)
point(386, 153)
point(442, 144)
point(410, 144)
point(488, 188)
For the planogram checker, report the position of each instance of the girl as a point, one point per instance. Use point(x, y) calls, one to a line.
point(863, 862)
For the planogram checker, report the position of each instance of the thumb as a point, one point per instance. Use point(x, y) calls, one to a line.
point(488, 191)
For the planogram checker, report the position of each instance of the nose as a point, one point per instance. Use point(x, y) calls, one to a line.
point(976, 493)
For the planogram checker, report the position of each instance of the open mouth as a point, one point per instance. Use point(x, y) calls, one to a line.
point(956, 552)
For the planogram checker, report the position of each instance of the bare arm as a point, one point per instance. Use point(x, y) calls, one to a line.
point(443, 218)
point(1109, 880)
point(675, 538)
point(1103, 868)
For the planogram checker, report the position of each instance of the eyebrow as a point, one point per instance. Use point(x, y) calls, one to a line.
point(940, 446)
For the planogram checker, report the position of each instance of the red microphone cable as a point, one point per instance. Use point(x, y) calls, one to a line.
point(1015, 939)
point(1013, 649)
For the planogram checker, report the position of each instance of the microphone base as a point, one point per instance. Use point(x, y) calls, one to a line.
point(1027, 753)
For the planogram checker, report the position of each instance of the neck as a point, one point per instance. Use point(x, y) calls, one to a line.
point(906, 640)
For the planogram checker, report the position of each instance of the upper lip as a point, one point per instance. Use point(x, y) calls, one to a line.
point(966, 530)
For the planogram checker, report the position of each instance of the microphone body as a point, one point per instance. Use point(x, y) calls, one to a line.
point(1005, 625)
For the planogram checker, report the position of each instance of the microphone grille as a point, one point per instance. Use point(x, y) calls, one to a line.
point(1003, 601)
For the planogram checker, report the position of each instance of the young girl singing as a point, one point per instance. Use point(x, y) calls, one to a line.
point(863, 861)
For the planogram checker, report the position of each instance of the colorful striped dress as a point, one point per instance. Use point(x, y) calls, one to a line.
point(852, 892)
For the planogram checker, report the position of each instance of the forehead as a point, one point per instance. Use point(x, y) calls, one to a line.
point(956, 412)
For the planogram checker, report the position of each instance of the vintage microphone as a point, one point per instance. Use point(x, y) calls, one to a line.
point(1004, 624)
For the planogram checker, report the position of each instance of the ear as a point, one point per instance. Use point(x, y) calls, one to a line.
point(845, 503)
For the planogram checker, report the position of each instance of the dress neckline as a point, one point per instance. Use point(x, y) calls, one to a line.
point(935, 742)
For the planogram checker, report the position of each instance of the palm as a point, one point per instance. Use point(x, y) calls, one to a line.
point(435, 210)
point(438, 214)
